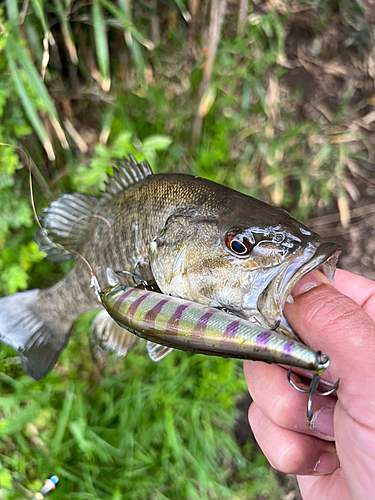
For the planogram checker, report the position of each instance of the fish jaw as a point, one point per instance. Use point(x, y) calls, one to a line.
point(271, 301)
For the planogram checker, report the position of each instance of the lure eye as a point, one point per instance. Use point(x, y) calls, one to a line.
point(238, 244)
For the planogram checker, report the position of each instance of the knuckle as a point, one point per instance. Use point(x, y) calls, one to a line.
point(281, 410)
point(285, 458)
point(330, 309)
point(253, 414)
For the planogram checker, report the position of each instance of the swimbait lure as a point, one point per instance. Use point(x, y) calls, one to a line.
point(189, 326)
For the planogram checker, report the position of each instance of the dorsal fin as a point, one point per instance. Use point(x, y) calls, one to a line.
point(64, 223)
point(124, 175)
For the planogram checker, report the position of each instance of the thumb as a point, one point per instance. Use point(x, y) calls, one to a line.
point(331, 322)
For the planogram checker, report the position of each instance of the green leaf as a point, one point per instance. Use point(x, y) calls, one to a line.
point(12, 11)
point(101, 44)
point(5, 478)
point(66, 32)
point(29, 254)
point(37, 85)
point(184, 12)
point(157, 142)
point(63, 421)
point(136, 52)
point(18, 419)
point(33, 76)
point(121, 16)
point(29, 106)
point(15, 277)
point(39, 11)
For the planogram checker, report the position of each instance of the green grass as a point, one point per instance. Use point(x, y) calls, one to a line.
point(81, 83)
point(129, 429)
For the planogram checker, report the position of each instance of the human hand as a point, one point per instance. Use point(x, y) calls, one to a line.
point(334, 454)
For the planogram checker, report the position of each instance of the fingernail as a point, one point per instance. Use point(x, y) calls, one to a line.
point(327, 463)
point(311, 280)
point(322, 423)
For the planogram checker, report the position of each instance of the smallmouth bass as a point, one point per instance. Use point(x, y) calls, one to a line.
point(198, 240)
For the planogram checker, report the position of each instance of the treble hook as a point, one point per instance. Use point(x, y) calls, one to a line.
point(135, 277)
point(323, 363)
point(276, 326)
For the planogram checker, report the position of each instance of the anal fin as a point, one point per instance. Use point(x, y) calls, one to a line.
point(107, 335)
point(157, 352)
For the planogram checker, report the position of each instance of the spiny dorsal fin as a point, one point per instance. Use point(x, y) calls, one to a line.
point(65, 222)
point(124, 175)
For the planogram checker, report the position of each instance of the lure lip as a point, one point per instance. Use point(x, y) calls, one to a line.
point(272, 300)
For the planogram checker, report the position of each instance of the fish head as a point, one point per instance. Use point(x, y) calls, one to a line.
point(245, 259)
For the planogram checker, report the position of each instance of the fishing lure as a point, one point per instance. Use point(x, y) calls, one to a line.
point(190, 326)
point(49, 486)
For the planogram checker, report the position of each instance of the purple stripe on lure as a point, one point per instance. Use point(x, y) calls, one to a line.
point(132, 309)
point(201, 326)
point(121, 299)
point(263, 338)
point(152, 314)
point(232, 328)
point(288, 348)
point(175, 319)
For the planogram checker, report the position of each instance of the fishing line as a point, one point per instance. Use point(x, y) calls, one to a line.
point(32, 199)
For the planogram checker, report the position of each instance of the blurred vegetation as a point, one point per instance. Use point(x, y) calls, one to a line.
point(192, 87)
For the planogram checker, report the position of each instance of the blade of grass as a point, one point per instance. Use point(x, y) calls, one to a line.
point(23, 12)
point(63, 422)
point(48, 37)
point(184, 11)
point(33, 42)
point(127, 24)
point(18, 419)
point(66, 32)
point(12, 11)
point(38, 86)
point(39, 12)
point(29, 107)
point(137, 56)
point(132, 43)
point(101, 44)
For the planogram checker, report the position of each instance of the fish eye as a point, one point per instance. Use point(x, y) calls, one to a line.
point(238, 244)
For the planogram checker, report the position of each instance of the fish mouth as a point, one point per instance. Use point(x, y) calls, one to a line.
point(272, 300)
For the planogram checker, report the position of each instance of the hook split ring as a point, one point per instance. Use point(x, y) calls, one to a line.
point(322, 364)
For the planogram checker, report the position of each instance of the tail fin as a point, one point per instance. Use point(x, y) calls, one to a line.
point(37, 345)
